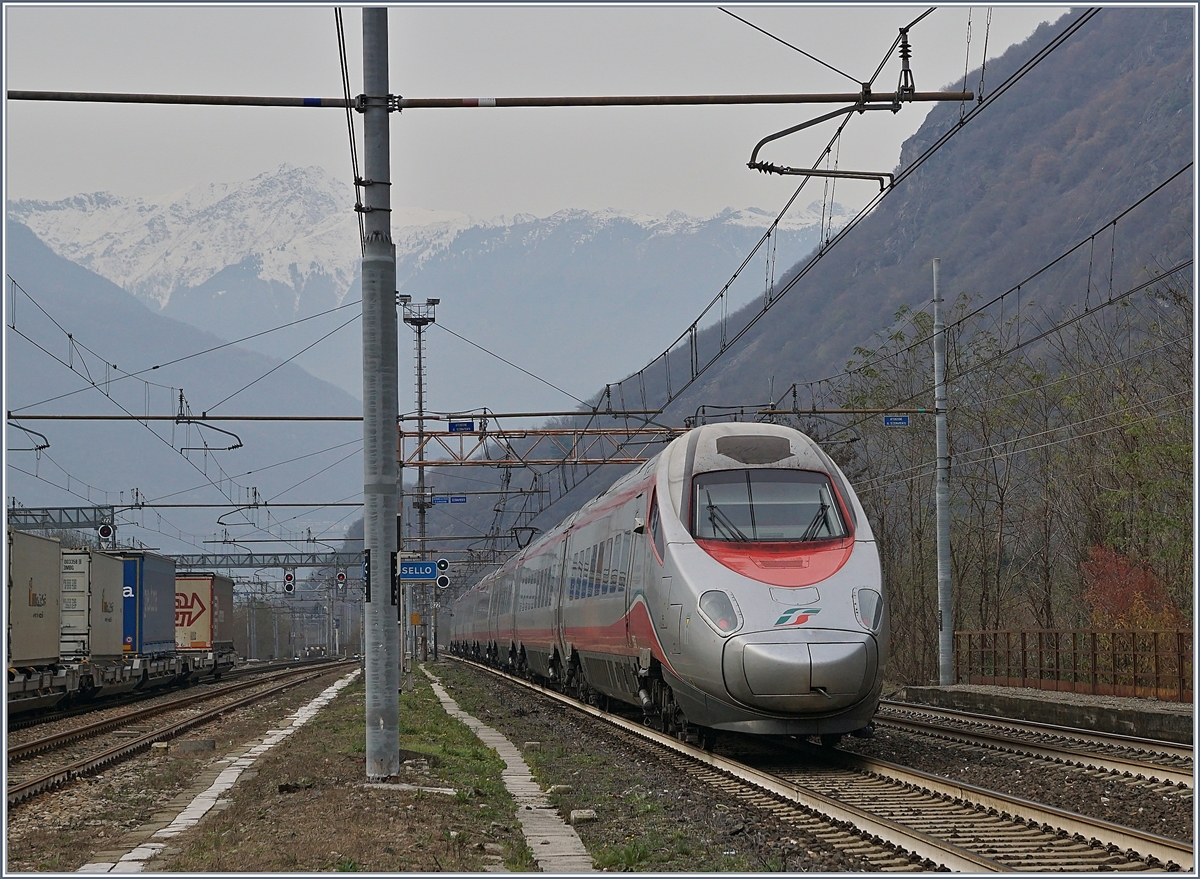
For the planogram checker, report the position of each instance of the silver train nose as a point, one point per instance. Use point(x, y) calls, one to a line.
point(811, 670)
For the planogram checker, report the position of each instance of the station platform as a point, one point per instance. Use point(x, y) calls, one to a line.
point(1118, 715)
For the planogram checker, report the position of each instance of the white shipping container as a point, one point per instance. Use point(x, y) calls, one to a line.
point(92, 605)
point(203, 611)
point(34, 587)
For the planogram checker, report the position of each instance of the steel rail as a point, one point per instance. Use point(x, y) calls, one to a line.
point(1136, 768)
point(1171, 749)
point(23, 791)
point(17, 753)
point(1146, 845)
point(919, 844)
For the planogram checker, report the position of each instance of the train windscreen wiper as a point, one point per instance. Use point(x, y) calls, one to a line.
point(810, 532)
point(720, 521)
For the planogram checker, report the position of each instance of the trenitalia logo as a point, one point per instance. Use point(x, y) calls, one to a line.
point(796, 616)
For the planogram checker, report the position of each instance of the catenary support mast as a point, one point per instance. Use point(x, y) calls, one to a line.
point(380, 409)
point(945, 603)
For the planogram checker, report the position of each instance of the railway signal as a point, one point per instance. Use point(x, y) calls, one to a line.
point(443, 566)
point(289, 581)
point(341, 581)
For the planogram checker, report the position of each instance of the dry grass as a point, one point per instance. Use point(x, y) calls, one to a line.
point(308, 809)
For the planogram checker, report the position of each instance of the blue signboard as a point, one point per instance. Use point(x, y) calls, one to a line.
point(462, 426)
point(418, 571)
point(895, 421)
point(458, 498)
point(440, 499)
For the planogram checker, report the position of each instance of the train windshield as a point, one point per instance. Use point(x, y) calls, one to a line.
point(765, 505)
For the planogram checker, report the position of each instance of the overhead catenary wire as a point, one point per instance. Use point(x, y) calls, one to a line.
point(444, 328)
point(789, 45)
point(137, 373)
point(284, 363)
point(1074, 318)
point(673, 393)
point(1015, 288)
point(341, 40)
point(222, 475)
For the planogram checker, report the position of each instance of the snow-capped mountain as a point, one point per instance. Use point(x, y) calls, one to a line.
point(240, 258)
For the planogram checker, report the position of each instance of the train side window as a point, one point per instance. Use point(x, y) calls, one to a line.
point(592, 562)
point(609, 567)
point(656, 535)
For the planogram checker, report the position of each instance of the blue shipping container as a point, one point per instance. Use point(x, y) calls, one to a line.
point(149, 599)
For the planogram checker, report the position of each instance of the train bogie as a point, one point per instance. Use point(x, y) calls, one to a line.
point(732, 582)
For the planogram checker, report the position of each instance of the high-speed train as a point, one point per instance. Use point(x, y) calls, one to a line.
point(732, 582)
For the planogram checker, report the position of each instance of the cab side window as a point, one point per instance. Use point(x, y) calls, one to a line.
point(656, 535)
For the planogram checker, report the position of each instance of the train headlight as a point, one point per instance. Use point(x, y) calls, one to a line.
point(868, 607)
point(719, 611)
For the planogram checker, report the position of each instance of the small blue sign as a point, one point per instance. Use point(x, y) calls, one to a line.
point(440, 499)
point(895, 421)
point(462, 426)
point(458, 498)
point(418, 571)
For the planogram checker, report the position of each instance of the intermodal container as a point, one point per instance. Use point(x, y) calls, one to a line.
point(93, 611)
point(203, 611)
point(148, 595)
point(34, 589)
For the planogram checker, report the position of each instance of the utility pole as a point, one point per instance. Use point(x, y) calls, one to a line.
point(945, 604)
point(418, 317)
point(380, 408)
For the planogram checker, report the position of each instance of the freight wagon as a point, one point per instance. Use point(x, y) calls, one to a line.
point(203, 624)
point(36, 678)
point(148, 598)
point(93, 622)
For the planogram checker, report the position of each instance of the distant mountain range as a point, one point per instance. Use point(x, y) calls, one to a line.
point(240, 258)
point(112, 335)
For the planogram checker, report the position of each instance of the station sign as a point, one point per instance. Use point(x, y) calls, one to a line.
point(462, 426)
point(458, 498)
point(895, 421)
point(418, 571)
point(441, 499)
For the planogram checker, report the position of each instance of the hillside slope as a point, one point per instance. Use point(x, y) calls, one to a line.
point(1089, 131)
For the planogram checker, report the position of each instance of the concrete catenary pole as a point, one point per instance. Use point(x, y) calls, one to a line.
point(380, 409)
point(945, 604)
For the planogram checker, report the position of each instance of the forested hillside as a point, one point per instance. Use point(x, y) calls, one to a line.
point(1062, 215)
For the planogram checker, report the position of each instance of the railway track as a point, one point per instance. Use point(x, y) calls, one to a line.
point(901, 819)
point(34, 768)
point(41, 718)
point(1147, 759)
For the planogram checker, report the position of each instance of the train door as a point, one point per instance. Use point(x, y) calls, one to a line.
point(562, 567)
point(635, 552)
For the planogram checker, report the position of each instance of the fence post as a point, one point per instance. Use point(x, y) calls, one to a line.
point(1095, 671)
point(1024, 658)
point(1179, 643)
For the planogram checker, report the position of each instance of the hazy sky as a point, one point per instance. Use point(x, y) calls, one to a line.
point(484, 162)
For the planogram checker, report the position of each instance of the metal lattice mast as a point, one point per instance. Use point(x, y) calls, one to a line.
point(418, 317)
point(380, 409)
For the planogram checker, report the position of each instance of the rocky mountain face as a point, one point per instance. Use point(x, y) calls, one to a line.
point(239, 258)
